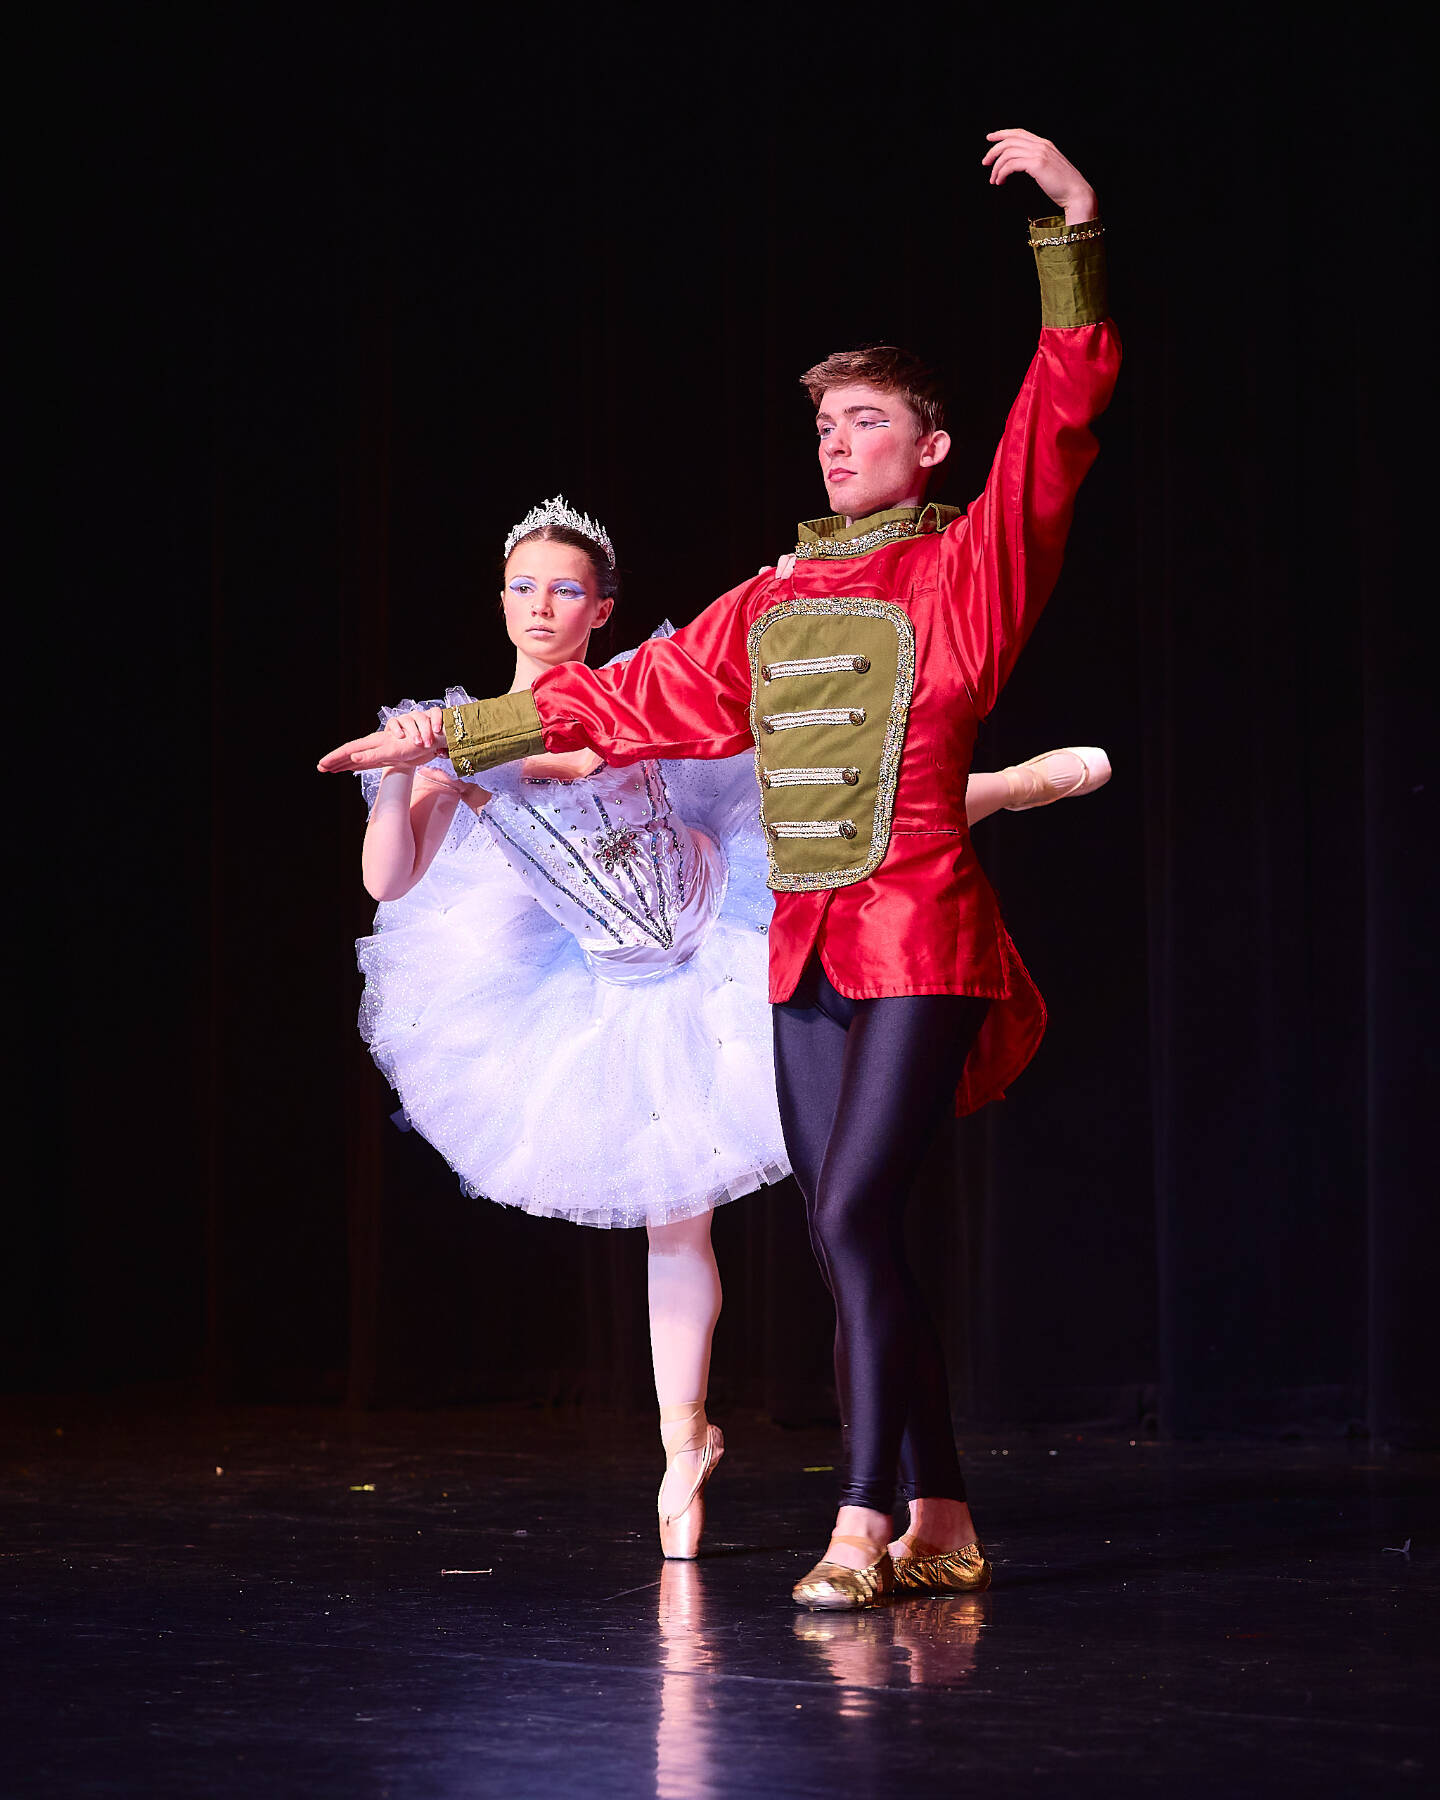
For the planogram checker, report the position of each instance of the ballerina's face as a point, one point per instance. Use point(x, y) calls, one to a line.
point(552, 601)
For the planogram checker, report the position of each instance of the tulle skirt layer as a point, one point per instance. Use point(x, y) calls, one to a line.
point(549, 1089)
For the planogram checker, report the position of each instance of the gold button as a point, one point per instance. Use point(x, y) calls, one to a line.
point(857, 717)
point(847, 830)
point(770, 729)
point(852, 777)
point(765, 781)
point(764, 671)
point(861, 665)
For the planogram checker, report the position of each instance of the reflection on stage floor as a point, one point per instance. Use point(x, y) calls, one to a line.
point(461, 1603)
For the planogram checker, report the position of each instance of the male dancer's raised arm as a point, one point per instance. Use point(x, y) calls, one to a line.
point(1002, 565)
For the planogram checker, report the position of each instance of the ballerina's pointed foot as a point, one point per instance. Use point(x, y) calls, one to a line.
point(681, 1500)
point(1056, 775)
point(835, 1587)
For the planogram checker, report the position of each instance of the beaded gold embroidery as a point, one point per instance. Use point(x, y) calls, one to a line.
point(1082, 234)
point(834, 548)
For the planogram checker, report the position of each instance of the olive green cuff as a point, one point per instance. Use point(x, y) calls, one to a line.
point(481, 733)
point(1071, 264)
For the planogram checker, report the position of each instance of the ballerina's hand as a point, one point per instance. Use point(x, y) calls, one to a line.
point(432, 783)
point(438, 781)
point(782, 569)
point(1016, 152)
point(407, 740)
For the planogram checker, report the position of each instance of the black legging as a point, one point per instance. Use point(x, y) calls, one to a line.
point(863, 1085)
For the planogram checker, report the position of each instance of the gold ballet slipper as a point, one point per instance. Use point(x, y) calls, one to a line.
point(834, 1586)
point(933, 1571)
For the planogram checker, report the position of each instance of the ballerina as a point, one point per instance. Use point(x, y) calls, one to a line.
point(605, 927)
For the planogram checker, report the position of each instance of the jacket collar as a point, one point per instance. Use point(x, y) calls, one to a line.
point(831, 537)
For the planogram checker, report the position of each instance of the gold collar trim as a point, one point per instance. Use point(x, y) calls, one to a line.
point(830, 538)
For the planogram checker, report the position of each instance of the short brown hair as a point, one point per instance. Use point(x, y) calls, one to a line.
point(887, 367)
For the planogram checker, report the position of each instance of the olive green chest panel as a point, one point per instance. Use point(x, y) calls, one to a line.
point(831, 682)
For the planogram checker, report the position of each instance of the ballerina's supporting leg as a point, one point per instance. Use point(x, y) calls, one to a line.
point(684, 1306)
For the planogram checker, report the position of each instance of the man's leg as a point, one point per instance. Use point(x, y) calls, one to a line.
point(809, 1063)
point(902, 1058)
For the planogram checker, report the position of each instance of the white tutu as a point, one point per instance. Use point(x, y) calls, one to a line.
point(546, 1086)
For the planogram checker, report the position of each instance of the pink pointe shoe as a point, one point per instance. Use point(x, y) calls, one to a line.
point(1077, 769)
point(682, 1525)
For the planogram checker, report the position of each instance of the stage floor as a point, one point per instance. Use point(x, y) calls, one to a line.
point(423, 1607)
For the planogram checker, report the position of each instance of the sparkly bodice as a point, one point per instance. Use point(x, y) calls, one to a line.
point(608, 859)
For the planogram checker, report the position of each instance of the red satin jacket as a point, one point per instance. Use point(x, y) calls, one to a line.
point(927, 921)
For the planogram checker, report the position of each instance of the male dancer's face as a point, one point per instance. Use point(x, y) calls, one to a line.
point(873, 453)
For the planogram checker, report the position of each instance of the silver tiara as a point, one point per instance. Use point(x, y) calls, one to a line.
point(559, 512)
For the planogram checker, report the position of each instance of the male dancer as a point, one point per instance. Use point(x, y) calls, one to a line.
point(860, 673)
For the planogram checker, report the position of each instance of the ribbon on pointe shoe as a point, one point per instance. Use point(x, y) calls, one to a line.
point(1028, 784)
point(685, 1428)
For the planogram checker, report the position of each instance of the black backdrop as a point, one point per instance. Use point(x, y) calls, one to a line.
point(337, 305)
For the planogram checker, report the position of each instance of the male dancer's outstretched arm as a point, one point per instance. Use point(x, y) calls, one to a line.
point(681, 696)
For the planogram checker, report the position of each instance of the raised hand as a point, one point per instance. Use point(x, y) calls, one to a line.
point(1017, 152)
point(408, 740)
